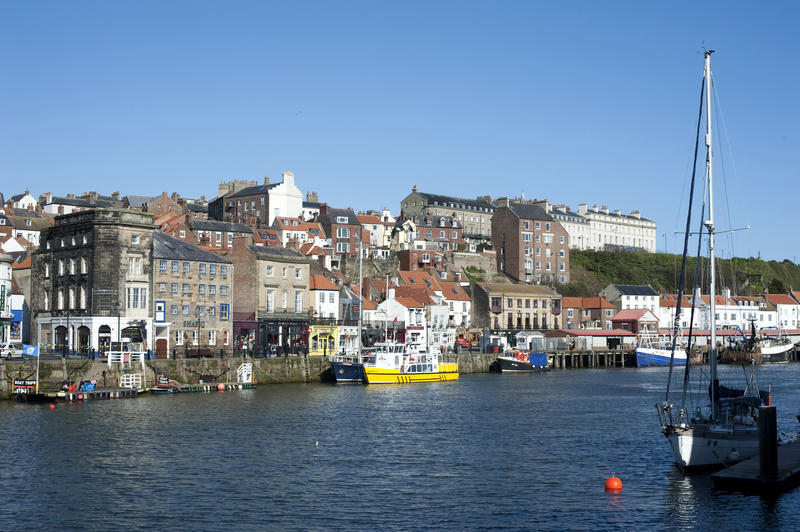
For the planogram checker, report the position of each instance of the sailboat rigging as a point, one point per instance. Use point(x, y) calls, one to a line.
point(728, 432)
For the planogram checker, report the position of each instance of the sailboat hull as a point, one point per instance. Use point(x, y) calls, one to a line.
point(709, 447)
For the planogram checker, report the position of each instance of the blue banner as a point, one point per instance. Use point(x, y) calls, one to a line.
point(30, 350)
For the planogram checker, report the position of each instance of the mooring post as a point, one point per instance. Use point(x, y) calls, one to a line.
point(768, 442)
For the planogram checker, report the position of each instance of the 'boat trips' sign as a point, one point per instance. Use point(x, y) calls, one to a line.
point(24, 386)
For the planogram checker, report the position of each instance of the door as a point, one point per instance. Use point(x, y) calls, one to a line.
point(162, 350)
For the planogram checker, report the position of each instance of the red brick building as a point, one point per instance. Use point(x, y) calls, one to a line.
point(343, 229)
point(531, 245)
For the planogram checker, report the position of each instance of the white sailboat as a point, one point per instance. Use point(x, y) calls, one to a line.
point(728, 431)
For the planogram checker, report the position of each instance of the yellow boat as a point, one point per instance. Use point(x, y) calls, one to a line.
point(393, 366)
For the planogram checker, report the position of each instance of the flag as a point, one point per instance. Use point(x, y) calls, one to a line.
point(30, 350)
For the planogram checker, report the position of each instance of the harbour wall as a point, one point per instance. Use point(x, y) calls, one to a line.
point(274, 370)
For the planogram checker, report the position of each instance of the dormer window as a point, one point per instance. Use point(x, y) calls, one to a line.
point(341, 219)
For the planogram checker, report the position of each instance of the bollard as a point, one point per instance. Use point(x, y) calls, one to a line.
point(768, 442)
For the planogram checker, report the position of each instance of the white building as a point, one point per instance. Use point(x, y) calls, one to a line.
point(788, 310)
point(459, 304)
point(576, 226)
point(411, 313)
point(632, 296)
point(285, 199)
point(5, 297)
point(612, 228)
point(325, 296)
point(24, 201)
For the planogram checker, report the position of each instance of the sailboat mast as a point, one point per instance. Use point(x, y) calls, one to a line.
point(361, 296)
point(712, 352)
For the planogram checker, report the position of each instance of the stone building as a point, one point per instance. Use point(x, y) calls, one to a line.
point(91, 281)
point(474, 215)
point(531, 245)
point(193, 299)
point(503, 306)
point(273, 301)
point(437, 233)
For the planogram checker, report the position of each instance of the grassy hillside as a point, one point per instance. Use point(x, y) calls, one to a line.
point(592, 271)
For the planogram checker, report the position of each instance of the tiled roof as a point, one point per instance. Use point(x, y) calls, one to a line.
point(631, 315)
point(636, 290)
point(167, 247)
point(320, 282)
point(527, 289)
point(456, 203)
point(332, 214)
point(527, 211)
point(589, 332)
point(139, 201)
point(285, 253)
point(214, 225)
point(780, 299)
point(252, 191)
point(586, 302)
point(369, 219)
point(419, 279)
point(453, 291)
point(409, 302)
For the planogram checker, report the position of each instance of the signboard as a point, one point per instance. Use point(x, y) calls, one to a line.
point(194, 323)
point(2, 298)
point(24, 386)
point(98, 292)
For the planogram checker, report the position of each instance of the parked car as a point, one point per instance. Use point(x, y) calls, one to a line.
point(10, 350)
point(463, 343)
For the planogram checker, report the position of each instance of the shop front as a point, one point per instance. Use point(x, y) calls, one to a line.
point(282, 336)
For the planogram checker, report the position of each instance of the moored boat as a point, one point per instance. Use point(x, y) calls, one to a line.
point(727, 432)
point(165, 386)
point(652, 356)
point(395, 366)
point(520, 361)
point(347, 372)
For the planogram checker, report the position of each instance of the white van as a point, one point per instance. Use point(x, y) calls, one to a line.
point(10, 350)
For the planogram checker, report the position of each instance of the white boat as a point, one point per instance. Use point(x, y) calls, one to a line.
point(727, 432)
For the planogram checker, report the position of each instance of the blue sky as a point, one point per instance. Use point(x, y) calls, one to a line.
point(576, 102)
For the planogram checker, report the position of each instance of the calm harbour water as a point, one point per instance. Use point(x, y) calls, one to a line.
point(488, 451)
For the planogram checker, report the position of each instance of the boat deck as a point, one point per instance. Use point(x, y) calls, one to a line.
point(746, 475)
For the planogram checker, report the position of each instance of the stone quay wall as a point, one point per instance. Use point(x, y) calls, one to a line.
point(274, 370)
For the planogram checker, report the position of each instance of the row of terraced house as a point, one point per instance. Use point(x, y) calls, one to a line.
point(260, 268)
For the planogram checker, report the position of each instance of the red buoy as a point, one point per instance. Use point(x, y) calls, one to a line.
point(52, 406)
point(80, 397)
point(221, 387)
point(613, 485)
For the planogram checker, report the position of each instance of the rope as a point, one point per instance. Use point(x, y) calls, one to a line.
point(676, 324)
